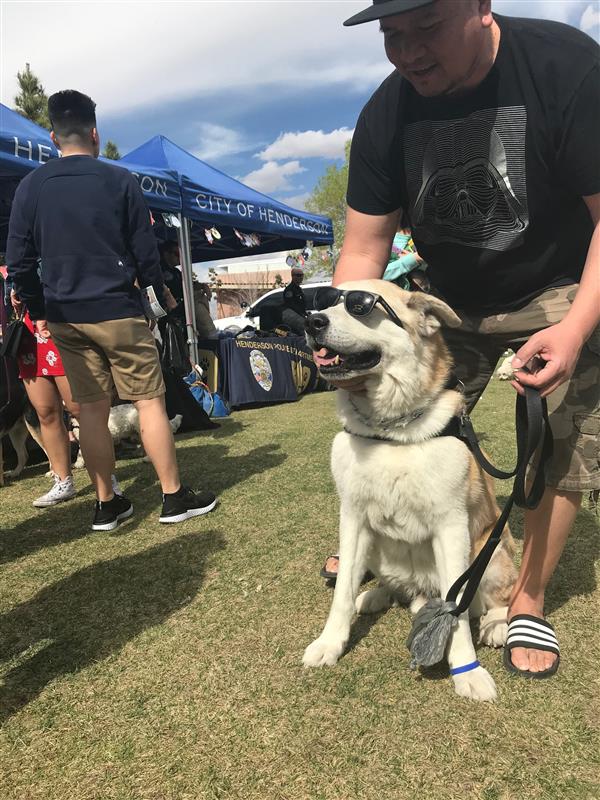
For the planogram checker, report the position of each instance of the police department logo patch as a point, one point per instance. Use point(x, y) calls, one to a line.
point(261, 369)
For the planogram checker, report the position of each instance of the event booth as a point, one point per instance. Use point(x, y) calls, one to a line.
point(246, 221)
point(213, 216)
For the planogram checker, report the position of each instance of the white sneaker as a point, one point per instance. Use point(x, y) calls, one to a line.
point(61, 491)
point(115, 485)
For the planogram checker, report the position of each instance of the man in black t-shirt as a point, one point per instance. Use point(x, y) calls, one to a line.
point(294, 304)
point(486, 134)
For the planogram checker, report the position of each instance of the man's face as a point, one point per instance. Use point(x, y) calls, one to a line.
point(440, 48)
point(297, 277)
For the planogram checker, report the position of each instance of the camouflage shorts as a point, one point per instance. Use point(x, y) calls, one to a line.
point(574, 407)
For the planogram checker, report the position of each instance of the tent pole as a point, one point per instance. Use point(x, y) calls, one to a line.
point(183, 237)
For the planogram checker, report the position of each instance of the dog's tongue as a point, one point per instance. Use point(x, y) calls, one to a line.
point(322, 358)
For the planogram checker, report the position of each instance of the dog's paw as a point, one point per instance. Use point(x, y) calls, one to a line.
point(477, 684)
point(12, 473)
point(80, 463)
point(322, 653)
point(493, 627)
point(373, 600)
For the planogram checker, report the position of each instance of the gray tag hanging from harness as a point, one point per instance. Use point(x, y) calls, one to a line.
point(431, 630)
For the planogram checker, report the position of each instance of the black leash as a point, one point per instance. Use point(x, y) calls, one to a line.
point(533, 434)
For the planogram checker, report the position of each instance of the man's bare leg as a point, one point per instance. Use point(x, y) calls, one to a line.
point(546, 531)
point(97, 446)
point(157, 438)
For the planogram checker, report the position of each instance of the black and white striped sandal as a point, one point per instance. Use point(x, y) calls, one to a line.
point(535, 633)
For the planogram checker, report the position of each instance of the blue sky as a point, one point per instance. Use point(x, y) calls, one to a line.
point(265, 91)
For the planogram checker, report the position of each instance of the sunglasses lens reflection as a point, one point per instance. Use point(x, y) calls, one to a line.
point(359, 304)
point(326, 297)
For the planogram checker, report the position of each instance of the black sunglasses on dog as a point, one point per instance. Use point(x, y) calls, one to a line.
point(356, 302)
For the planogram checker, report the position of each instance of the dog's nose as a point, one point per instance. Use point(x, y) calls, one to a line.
point(316, 323)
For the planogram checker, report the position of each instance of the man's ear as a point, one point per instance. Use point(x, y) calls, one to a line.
point(55, 141)
point(433, 312)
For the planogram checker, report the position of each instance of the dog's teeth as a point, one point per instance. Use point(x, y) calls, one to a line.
point(336, 360)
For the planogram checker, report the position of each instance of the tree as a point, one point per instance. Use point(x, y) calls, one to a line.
point(329, 198)
point(32, 101)
point(111, 151)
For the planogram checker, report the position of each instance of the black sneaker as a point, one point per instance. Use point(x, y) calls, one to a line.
point(185, 504)
point(110, 513)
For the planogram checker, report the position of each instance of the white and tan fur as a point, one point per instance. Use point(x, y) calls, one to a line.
point(414, 510)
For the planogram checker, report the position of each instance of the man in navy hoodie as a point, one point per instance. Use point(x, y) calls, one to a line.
point(79, 241)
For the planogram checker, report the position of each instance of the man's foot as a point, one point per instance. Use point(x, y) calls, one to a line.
point(331, 567)
point(61, 491)
point(185, 503)
point(530, 659)
point(109, 513)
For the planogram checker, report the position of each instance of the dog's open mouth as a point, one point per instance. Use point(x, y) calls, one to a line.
point(330, 362)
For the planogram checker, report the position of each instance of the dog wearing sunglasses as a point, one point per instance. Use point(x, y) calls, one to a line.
point(416, 507)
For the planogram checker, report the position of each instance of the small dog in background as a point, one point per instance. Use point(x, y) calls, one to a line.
point(124, 424)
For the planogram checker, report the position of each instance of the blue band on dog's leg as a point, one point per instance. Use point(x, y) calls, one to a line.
point(466, 668)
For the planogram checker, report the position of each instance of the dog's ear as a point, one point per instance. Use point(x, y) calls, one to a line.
point(433, 312)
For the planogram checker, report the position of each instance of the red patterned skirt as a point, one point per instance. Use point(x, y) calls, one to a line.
point(38, 358)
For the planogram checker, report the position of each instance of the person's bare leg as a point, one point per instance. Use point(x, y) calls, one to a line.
point(546, 531)
point(64, 389)
point(157, 438)
point(97, 446)
point(44, 397)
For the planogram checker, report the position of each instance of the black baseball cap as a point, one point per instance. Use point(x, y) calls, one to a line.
point(386, 8)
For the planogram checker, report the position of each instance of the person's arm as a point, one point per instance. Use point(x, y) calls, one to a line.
point(559, 346)
point(142, 241)
point(367, 245)
point(21, 263)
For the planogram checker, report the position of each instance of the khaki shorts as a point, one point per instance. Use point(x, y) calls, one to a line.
point(116, 354)
point(574, 408)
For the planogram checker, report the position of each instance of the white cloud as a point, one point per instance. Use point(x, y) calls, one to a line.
point(297, 201)
point(216, 141)
point(131, 55)
point(273, 177)
point(308, 144)
point(146, 54)
point(590, 20)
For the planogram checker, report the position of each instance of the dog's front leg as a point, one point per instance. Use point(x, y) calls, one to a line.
point(354, 544)
point(451, 549)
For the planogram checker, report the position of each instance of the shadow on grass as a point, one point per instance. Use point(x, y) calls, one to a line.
point(96, 611)
point(361, 627)
point(212, 468)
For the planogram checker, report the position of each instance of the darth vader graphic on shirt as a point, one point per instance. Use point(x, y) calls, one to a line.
point(466, 179)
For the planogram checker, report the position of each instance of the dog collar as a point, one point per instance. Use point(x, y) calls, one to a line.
point(405, 420)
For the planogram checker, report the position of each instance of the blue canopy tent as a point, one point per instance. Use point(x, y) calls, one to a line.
point(209, 199)
point(25, 145)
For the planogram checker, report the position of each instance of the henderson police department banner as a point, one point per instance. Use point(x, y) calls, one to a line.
point(273, 370)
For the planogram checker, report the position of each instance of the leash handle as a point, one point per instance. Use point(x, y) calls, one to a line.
point(533, 434)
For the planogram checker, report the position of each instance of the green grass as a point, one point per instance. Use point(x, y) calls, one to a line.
point(163, 663)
